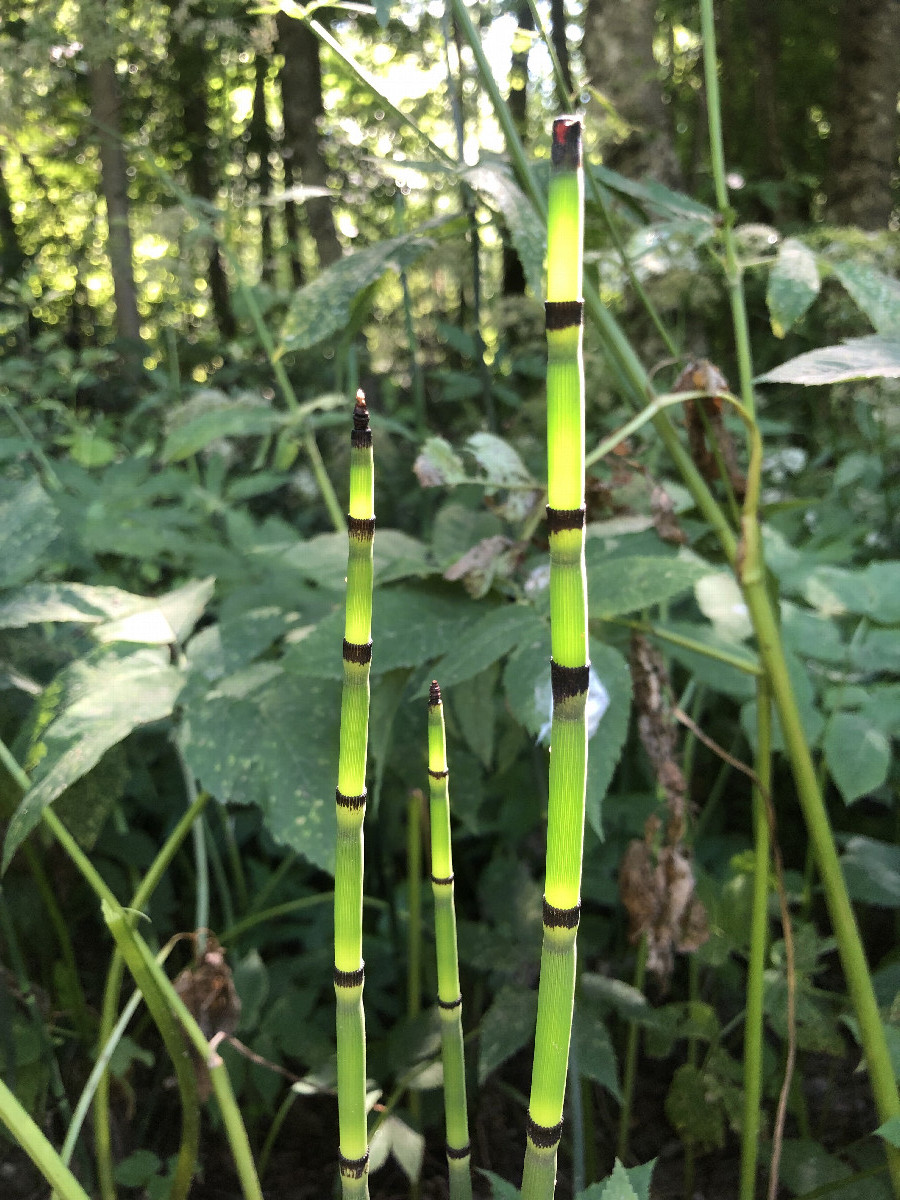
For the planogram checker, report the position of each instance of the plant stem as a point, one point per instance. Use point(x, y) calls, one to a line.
point(759, 939)
point(350, 798)
point(629, 1075)
point(449, 994)
point(569, 663)
point(42, 1153)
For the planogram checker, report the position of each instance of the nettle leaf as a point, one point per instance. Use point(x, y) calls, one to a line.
point(269, 737)
point(76, 602)
point(858, 358)
point(230, 420)
point(636, 1178)
point(165, 620)
point(793, 285)
point(857, 753)
point(500, 462)
point(806, 1166)
point(99, 700)
point(594, 1049)
point(694, 1110)
point(495, 184)
point(324, 307)
point(877, 294)
point(507, 1026)
point(625, 584)
point(28, 525)
point(605, 747)
point(872, 871)
point(873, 592)
point(438, 465)
point(501, 1189)
point(489, 639)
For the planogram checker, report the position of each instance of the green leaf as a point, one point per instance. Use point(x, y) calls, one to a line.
point(605, 747)
point(495, 184)
point(694, 1112)
point(806, 1166)
point(269, 737)
point(475, 710)
point(625, 584)
point(877, 294)
point(501, 464)
point(438, 465)
point(637, 1179)
point(594, 1049)
point(406, 1145)
point(138, 1168)
point(857, 753)
point(793, 285)
point(499, 631)
point(858, 358)
point(873, 592)
point(872, 871)
point(230, 420)
point(501, 1189)
point(508, 1025)
point(166, 620)
point(99, 700)
point(324, 307)
point(28, 525)
point(655, 195)
point(79, 602)
point(890, 1131)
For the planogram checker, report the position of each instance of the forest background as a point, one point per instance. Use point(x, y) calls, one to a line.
point(218, 221)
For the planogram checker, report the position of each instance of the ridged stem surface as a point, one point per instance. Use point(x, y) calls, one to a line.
point(351, 806)
point(569, 665)
point(449, 996)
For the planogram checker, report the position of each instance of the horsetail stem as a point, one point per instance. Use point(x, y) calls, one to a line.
point(449, 997)
point(569, 663)
point(350, 800)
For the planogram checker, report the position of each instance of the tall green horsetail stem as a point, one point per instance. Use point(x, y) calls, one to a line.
point(569, 664)
point(350, 798)
point(449, 996)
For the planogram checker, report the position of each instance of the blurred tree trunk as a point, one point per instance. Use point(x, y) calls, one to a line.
point(864, 114)
point(106, 112)
point(513, 275)
point(260, 144)
point(189, 60)
point(12, 256)
point(618, 58)
point(301, 96)
point(559, 39)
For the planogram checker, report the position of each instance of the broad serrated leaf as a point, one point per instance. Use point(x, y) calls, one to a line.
point(165, 620)
point(618, 1185)
point(501, 464)
point(605, 747)
point(324, 307)
point(507, 1026)
point(99, 700)
point(793, 285)
point(857, 753)
point(858, 358)
point(28, 525)
point(872, 871)
point(655, 195)
point(85, 805)
point(231, 420)
point(76, 602)
point(475, 709)
point(638, 1179)
point(495, 184)
point(594, 1050)
point(694, 1111)
point(494, 635)
point(806, 1166)
point(438, 465)
point(269, 737)
point(877, 294)
point(873, 592)
point(501, 1189)
point(625, 584)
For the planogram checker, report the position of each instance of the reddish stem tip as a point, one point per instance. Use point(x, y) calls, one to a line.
point(565, 153)
point(434, 695)
point(360, 413)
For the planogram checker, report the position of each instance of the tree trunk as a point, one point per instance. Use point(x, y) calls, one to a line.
point(301, 97)
point(864, 114)
point(618, 58)
point(260, 144)
point(189, 59)
point(559, 40)
point(513, 274)
point(106, 105)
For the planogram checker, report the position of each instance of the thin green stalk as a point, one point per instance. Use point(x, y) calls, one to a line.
point(414, 941)
point(759, 940)
point(449, 994)
point(569, 662)
point(629, 1074)
point(42, 1153)
point(350, 799)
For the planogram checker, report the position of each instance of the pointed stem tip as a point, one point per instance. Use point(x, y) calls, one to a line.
point(434, 695)
point(565, 154)
point(360, 412)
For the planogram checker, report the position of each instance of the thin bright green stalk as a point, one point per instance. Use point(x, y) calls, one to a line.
point(42, 1153)
point(449, 994)
point(759, 939)
point(414, 942)
point(569, 662)
point(350, 798)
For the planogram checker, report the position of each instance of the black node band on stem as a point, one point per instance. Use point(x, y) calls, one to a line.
point(561, 519)
point(449, 1005)
point(565, 152)
point(561, 918)
point(545, 1137)
point(434, 694)
point(353, 1168)
point(361, 528)
point(357, 652)
point(351, 802)
point(446, 881)
point(563, 314)
point(349, 979)
point(438, 774)
point(568, 682)
point(458, 1151)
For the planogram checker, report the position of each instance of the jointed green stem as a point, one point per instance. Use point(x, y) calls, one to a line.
point(351, 805)
point(449, 997)
point(569, 663)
